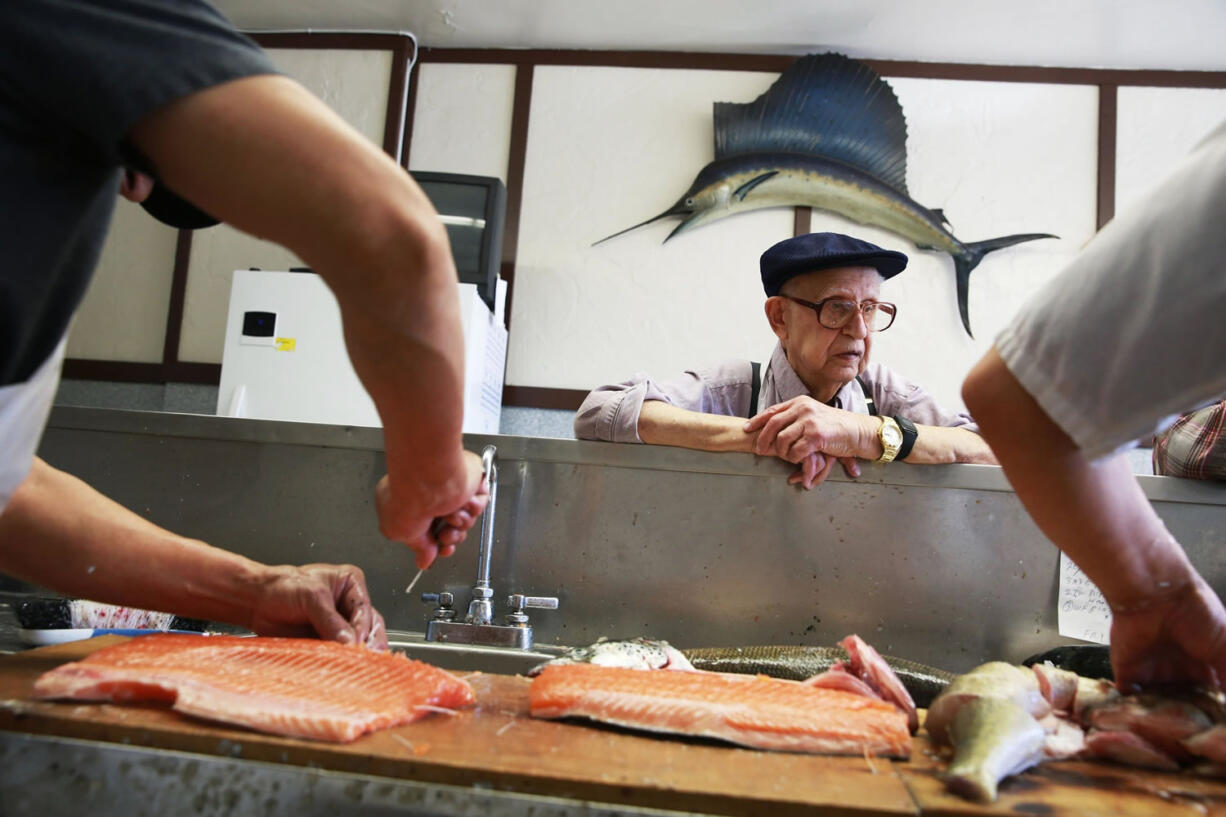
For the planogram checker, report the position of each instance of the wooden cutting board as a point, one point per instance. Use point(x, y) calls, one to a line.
point(497, 745)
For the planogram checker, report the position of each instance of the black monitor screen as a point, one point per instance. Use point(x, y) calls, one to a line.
point(472, 209)
point(462, 208)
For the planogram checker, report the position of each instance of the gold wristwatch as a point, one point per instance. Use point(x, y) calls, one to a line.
point(890, 435)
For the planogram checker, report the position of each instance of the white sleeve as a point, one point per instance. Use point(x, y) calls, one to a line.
point(1133, 332)
point(23, 413)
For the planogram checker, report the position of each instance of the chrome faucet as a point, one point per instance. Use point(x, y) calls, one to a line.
point(478, 627)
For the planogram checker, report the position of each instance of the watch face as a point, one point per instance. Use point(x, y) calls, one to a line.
point(892, 434)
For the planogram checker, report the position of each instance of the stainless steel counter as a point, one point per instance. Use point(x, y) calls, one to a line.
point(44, 776)
point(939, 564)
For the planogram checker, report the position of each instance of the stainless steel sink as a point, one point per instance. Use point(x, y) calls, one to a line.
point(470, 657)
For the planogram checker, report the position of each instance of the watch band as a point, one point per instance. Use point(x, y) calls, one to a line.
point(909, 433)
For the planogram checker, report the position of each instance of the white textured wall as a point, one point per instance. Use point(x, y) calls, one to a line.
point(609, 147)
point(999, 158)
point(1156, 129)
point(462, 122)
point(123, 316)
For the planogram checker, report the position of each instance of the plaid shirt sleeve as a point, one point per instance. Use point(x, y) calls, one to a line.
point(1195, 446)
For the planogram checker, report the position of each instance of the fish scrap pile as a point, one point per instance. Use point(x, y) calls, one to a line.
point(1001, 719)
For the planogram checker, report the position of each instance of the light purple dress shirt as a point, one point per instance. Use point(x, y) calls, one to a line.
point(612, 412)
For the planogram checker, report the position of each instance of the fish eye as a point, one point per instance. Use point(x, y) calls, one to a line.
point(689, 202)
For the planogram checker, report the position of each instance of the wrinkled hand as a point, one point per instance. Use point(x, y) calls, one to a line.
point(330, 601)
point(815, 468)
point(431, 538)
point(811, 434)
point(1178, 637)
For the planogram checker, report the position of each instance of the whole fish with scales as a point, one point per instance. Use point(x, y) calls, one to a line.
point(791, 662)
point(828, 134)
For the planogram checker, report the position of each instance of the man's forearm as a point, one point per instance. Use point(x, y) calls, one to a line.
point(315, 185)
point(58, 532)
point(935, 445)
point(1094, 511)
point(662, 423)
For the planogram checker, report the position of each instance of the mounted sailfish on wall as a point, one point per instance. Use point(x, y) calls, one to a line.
point(829, 134)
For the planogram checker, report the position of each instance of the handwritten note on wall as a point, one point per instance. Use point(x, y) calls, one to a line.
point(1083, 612)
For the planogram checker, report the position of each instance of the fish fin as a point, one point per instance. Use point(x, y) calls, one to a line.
point(969, 258)
point(940, 214)
point(683, 226)
point(962, 278)
point(744, 190)
point(825, 105)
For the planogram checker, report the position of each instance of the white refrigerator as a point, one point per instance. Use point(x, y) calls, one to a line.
point(284, 356)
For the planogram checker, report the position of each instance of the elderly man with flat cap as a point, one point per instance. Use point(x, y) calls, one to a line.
point(818, 400)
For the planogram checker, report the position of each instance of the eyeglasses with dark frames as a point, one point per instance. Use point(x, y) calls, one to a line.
point(835, 313)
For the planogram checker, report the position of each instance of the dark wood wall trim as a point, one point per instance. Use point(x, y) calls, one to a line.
point(802, 220)
point(395, 123)
point(1108, 108)
point(353, 41)
point(515, 179)
point(533, 397)
point(774, 63)
point(178, 296)
point(207, 374)
point(409, 113)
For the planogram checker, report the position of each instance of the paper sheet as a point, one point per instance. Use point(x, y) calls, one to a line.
point(1082, 611)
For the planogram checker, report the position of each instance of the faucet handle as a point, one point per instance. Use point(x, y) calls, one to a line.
point(518, 601)
point(444, 600)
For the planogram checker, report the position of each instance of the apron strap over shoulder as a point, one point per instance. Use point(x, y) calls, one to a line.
point(868, 396)
point(755, 387)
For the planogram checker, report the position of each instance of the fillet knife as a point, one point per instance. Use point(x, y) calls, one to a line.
point(436, 527)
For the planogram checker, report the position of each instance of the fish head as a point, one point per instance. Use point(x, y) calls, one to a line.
point(636, 653)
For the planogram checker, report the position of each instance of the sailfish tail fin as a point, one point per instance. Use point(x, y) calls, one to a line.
point(969, 258)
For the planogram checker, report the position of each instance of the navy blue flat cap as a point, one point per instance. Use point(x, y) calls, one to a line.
point(818, 251)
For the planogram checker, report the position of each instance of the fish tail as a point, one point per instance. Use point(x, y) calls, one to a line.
point(969, 258)
point(974, 784)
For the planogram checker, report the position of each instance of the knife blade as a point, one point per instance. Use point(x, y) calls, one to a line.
point(409, 589)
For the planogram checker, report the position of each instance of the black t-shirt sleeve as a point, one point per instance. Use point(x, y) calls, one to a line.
point(96, 67)
point(75, 77)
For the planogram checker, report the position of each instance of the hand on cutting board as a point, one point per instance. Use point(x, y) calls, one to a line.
point(1179, 636)
point(435, 536)
point(330, 601)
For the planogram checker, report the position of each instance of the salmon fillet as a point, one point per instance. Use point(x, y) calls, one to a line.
point(298, 687)
point(754, 711)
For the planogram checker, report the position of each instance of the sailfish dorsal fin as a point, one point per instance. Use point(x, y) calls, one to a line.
point(826, 105)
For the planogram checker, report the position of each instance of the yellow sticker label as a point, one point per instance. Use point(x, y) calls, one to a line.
point(286, 344)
